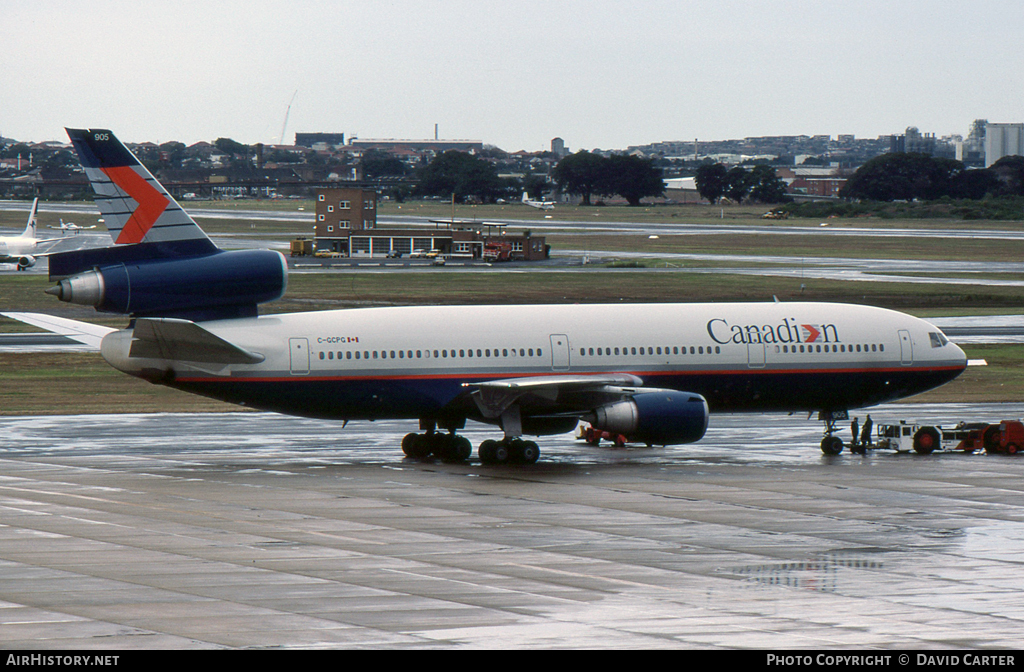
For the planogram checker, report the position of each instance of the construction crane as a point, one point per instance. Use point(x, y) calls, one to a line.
point(284, 126)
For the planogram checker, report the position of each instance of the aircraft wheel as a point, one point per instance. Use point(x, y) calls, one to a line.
point(501, 452)
point(415, 446)
point(456, 449)
point(526, 452)
point(831, 445)
point(494, 452)
point(486, 451)
point(926, 440)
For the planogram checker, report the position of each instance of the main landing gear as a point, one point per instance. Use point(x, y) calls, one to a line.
point(509, 450)
point(453, 448)
point(448, 447)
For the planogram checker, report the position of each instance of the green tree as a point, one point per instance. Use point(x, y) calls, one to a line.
point(976, 184)
point(903, 176)
point(461, 174)
point(1009, 173)
point(710, 179)
point(381, 164)
point(631, 177)
point(766, 186)
point(229, 146)
point(737, 184)
point(535, 186)
point(581, 173)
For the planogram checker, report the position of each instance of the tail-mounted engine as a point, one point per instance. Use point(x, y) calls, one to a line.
point(657, 417)
point(222, 285)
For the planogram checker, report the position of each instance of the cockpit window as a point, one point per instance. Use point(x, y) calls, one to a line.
point(938, 339)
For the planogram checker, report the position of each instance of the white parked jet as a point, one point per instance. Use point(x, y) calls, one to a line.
point(651, 372)
point(23, 250)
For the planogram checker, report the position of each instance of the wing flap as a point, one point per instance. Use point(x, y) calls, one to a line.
point(182, 340)
point(495, 397)
point(535, 383)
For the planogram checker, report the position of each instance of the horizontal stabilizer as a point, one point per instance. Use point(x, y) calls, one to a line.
point(83, 332)
point(182, 340)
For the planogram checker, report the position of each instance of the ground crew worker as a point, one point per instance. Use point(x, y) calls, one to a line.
point(865, 435)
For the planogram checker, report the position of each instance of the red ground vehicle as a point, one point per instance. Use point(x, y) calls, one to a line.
point(496, 251)
point(593, 436)
point(1006, 437)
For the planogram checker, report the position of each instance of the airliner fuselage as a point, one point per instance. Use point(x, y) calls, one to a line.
point(417, 362)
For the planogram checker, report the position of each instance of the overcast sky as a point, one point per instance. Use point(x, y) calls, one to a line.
point(599, 74)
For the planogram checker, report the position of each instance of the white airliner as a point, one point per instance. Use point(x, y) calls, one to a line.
point(540, 205)
point(651, 372)
point(23, 250)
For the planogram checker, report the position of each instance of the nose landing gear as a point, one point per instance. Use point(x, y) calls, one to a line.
point(832, 444)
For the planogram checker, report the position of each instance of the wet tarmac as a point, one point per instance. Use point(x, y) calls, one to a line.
point(259, 530)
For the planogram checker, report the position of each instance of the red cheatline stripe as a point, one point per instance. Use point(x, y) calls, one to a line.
point(646, 375)
point(151, 203)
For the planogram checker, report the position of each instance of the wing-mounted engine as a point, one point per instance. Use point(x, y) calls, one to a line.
point(616, 403)
point(656, 417)
point(25, 261)
point(214, 286)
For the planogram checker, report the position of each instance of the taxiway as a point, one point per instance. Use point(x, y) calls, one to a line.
point(259, 530)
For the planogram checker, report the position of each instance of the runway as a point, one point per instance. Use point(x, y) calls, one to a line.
point(258, 530)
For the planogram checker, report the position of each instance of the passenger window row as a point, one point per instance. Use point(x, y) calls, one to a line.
point(467, 353)
point(865, 347)
point(650, 350)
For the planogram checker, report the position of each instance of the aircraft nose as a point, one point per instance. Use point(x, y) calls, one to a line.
point(961, 355)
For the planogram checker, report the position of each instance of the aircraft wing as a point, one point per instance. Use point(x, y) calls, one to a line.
point(494, 397)
point(169, 338)
point(83, 332)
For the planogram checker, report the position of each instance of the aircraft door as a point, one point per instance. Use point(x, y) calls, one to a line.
point(559, 352)
point(756, 355)
point(299, 355)
point(906, 348)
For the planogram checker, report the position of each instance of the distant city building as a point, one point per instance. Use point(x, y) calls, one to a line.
point(438, 146)
point(324, 140)
point(971, 152)
point(913, 142)
point(1003, 140)
point(558, 147)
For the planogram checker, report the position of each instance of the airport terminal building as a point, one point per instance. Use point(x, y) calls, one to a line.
point(346, 224)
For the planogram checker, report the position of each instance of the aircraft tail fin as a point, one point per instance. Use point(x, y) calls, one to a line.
point(144, 221)
point(30, 227)
point(135, 206)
